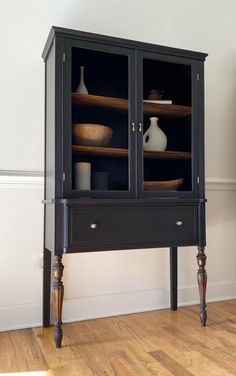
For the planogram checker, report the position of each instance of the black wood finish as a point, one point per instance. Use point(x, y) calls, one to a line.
point(47, 288)
point(125, 216)
point(173, 278)
point(119, 228)
point(81, 35)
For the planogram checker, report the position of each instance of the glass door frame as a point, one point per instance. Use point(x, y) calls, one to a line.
point(140, 56)
point(70, 43)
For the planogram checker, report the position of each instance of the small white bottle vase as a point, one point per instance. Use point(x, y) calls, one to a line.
point(154, 138)
point(81, 89)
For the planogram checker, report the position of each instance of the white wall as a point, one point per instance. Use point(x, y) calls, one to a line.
point(125, 281)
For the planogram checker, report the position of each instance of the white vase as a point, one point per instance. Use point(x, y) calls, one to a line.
point(154, 138)
point(81, 89)
point(82, 176)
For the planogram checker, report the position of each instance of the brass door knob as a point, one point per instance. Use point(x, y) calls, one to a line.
point(93, 226)
point(179, 223)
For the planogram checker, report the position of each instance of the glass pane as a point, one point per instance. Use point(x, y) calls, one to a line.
point(100, 139)
point(167, 126)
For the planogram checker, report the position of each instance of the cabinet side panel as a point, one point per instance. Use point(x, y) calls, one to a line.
point(50, 227)
point(50, 126)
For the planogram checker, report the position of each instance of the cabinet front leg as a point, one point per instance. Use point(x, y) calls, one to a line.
point(202, 282)
point(58, 298)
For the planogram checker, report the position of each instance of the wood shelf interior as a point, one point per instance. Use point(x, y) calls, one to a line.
point(167, 110)
point(119, 152)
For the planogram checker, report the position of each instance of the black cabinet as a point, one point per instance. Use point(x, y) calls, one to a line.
point(124, 152)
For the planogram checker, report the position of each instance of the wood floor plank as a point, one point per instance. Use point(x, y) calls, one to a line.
point(54, 357)
point(90, 348)
point(137, 336)
point(165, 341)
point(202, 337)
point(20, 352)
point(157, 343)
point(114, 354)
point(202, 366)
point(108, 359)
point(169, 363)
point(219, 357)
point(73, 368)
point(148, 362)
point(7, 353)
point(224, 311)
point(210, 345)
point(119, 368)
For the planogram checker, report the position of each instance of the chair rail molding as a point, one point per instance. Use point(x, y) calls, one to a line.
point(21, 178)
point(220, 184)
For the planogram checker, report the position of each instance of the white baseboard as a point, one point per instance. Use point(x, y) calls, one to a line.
point(20, 316)
point(93, 307)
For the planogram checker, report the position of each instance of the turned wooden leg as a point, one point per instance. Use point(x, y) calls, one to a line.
point(173, 278)
point(58, 298)
point(202, 282)
point(46, 287)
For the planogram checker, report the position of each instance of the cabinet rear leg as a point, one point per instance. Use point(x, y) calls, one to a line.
point(58, 298)
point(173, 278)
point(202, 282)
point(46, 287)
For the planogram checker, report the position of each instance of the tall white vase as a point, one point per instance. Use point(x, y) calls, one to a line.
point(82, 176)
point(154, 138)
point(81, 89)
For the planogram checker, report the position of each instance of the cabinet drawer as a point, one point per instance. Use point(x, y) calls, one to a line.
point(119, 228)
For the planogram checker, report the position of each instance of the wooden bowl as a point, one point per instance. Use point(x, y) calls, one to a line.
point(168, 185)
point(91, 134)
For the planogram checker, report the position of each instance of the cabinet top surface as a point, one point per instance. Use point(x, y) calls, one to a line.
point(86, 36)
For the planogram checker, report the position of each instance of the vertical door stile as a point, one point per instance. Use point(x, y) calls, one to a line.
point(132, 124)
point(200, 133)
point(195, 128)
point(67, 116)
point(139, 120)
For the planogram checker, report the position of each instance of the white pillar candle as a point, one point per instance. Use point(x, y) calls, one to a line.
point(82, 176)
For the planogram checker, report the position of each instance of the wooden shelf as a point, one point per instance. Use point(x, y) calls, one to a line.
point(100, 150)
point(167, 154)
point(167, 110)
point(118, 152)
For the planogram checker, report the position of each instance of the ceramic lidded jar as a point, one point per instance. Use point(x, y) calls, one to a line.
point(154, 139)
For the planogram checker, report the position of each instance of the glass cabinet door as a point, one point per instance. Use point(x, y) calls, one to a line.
point(100, 117)
point(167, 127)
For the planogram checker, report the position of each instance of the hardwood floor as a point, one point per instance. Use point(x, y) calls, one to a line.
point(163, 343)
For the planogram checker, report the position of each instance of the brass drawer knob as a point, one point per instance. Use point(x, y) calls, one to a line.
point(93, 226)
point(179, 223)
